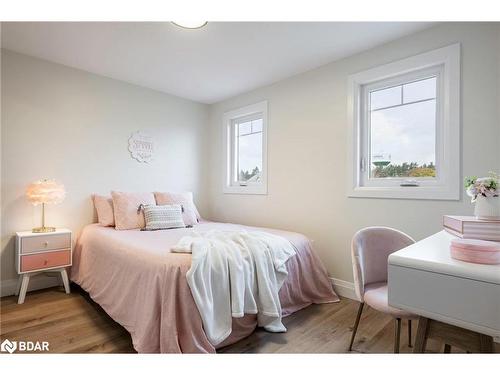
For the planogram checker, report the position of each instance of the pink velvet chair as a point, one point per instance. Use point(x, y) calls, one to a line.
point(370, 249)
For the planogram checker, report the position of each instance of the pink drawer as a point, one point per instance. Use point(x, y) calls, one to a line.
point(48, 259)
point(47, 242)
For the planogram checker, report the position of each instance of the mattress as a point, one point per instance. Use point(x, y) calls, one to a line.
point(135, 278)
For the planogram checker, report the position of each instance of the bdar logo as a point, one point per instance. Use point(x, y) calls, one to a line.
point(24, 346)
point(8, 346)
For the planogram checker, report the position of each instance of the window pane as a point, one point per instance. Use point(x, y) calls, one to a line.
point(420, 90)
point(245, 128)
point(403, 141)
point(256, 125)
point(250, 157)
point(385, 97)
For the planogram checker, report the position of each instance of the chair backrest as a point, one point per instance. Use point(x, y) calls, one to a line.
point(370, 249)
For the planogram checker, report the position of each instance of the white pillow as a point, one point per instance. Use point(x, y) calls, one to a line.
point(163, 217)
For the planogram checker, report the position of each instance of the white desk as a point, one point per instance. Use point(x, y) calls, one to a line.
point(425, 280)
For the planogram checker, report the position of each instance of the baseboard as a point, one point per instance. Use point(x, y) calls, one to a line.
point(8, 287)
point(344, 288)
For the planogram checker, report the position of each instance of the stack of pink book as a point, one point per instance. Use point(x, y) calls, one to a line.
point(468, 227)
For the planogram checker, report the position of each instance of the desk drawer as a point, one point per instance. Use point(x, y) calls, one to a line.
point(45, 260)
point(43, 243)
point(467, 303)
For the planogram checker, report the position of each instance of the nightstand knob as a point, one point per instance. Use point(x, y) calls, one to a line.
point(45, 244)
point(45, 262)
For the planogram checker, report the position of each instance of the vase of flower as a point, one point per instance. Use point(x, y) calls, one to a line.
point(484, 193)
point(487, 208)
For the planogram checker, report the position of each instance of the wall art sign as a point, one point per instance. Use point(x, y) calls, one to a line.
point(141, 147)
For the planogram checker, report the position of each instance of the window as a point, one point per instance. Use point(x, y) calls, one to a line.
point(405, 128)
point(245, 132)
point(400, 130)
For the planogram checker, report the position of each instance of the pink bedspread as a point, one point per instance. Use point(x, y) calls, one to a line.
point(142, 285)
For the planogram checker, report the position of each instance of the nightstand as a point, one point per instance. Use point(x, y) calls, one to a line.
point(42, 252)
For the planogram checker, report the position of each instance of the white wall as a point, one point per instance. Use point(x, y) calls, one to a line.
point(307, 147)
point(63, 123)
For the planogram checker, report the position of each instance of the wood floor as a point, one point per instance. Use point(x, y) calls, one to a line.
point(74, 324)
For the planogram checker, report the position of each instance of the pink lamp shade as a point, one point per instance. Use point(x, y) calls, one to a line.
point(42, 192)
point(45, 191)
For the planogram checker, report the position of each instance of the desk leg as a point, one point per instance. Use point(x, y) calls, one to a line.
point(486, 344)
point(421, 339)
point(409, 333)
point(457, 337)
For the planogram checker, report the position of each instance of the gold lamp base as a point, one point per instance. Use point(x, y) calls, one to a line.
point(43, 230)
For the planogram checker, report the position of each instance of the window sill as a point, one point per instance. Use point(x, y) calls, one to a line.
point(255, 190)
point(409, 192)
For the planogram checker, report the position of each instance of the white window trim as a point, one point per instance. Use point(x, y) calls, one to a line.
point(448, 141)
point(228, 118)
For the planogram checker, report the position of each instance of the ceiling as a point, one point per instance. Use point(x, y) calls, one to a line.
point(207, 65)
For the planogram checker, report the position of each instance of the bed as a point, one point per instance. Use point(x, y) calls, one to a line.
point(135, 278)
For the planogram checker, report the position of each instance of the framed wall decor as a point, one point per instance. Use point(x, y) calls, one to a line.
point(141, 147)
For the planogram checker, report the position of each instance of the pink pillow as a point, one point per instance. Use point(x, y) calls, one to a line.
point(190, 214)
point(126, 209)
point(104, 207)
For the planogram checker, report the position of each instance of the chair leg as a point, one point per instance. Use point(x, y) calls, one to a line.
point(421, 336)
point(355, 328)
point(409, 333)
point(397, 334)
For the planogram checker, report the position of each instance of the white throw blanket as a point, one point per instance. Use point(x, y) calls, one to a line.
point(235, 273)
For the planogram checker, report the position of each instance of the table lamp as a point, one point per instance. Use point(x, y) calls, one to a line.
point(42, 192)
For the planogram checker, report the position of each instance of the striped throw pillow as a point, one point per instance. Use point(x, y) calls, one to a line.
point(163, 217)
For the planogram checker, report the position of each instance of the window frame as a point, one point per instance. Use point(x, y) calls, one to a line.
point(443, 63)
point(231, 185)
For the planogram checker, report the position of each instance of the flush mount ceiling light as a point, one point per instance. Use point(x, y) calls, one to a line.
point(190, 24)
